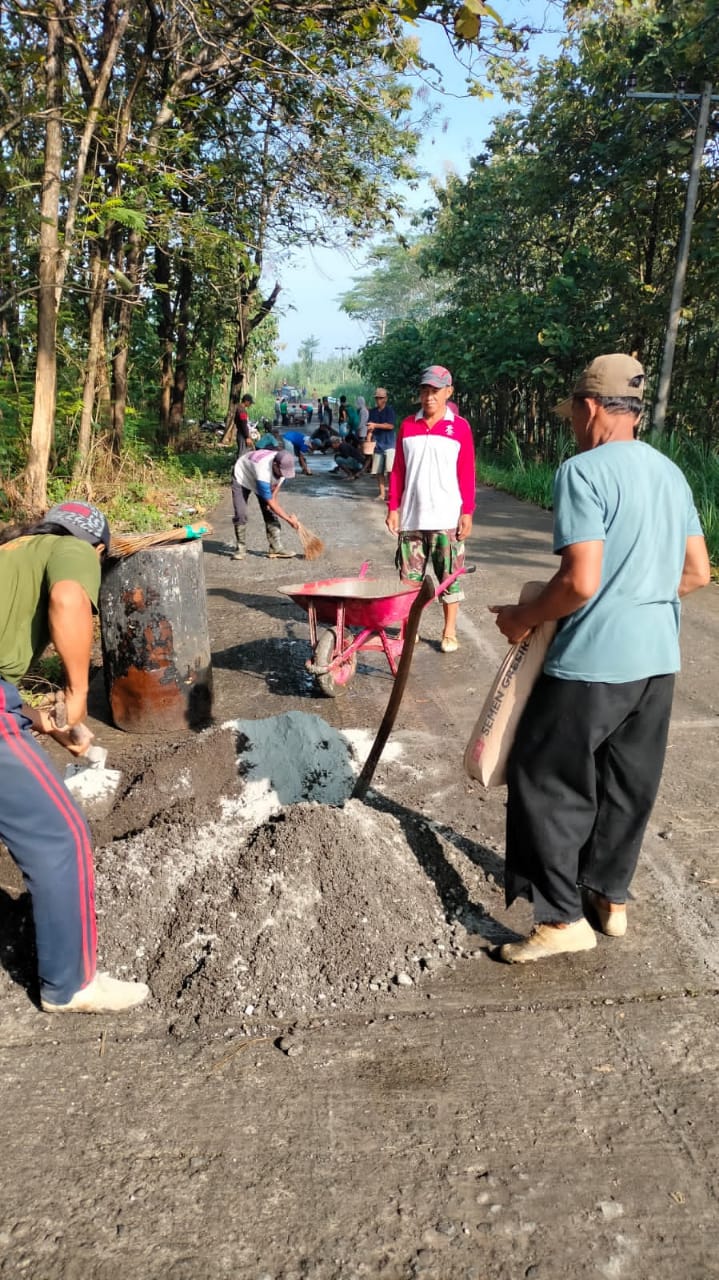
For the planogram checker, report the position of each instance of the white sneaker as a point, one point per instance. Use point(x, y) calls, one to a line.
point(103, 995)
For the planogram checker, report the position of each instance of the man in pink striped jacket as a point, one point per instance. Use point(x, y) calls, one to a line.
point(432, 493)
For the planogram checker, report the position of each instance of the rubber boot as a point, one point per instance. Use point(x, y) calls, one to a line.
point(277, 551)
point(240, 542)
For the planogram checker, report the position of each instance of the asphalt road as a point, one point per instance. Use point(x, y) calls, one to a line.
point(557, 1120)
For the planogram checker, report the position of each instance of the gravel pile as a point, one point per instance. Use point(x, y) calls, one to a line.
point(319, 907)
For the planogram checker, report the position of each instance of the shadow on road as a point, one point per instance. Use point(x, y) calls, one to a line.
point(423, 838)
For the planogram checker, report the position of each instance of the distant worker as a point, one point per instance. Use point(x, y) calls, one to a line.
point(283, 412)
point(352, 423)
point(381, 429)
point(49, 586)
point(342, 417)
point(362, 419)
point(262, 473)
point(269, 440)
point(432, 493)
point(242, 424)
point(301, 445)
point(349, 460)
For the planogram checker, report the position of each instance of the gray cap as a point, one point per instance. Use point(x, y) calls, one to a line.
point(82, 520)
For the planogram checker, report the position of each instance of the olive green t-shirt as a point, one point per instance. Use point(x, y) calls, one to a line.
point(29, 567)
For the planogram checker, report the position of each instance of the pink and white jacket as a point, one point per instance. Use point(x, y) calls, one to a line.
point(432, 481)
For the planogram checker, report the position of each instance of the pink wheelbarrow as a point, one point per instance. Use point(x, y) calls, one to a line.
point(357, 612)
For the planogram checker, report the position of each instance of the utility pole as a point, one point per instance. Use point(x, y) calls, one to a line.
point(680, 271)
point(342, 357)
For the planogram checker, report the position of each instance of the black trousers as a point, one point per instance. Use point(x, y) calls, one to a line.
point(582, 778)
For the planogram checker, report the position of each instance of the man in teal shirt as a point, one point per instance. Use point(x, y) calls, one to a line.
point(585, 767)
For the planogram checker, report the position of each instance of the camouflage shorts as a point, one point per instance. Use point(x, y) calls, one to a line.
point(418, 550)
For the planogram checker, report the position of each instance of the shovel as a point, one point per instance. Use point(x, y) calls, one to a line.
point(424, 595)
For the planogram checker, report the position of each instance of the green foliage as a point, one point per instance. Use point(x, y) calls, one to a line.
point(532, 480)
point(561, 241)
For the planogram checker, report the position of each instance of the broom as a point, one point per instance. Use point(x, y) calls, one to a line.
point(311, 544)
point(127, 544)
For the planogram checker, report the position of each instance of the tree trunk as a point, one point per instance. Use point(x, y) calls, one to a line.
point(248, 318)
point(121, 352)
point(43, 418)
point(95, 353)
point(179, 388)
point(165, 334)
point(207, 384)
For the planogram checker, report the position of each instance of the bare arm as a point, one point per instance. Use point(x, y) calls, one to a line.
point(575, 582)
point(70, 623)
point(697, 570)
point(274, 506)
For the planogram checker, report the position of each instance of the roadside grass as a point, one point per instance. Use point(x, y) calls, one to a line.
point(532, 481)
point(149, 491)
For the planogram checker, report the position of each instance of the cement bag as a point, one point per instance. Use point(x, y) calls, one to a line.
point(485, 758)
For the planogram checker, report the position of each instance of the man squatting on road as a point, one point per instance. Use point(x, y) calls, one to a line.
point(432, 493)
point(49, 585)
point(262, 472)
point(585, 767)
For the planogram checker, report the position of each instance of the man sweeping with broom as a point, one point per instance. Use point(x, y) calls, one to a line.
point(262, 473)
point(49, 583)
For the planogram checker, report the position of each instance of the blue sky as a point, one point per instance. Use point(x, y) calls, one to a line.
point(312, 285)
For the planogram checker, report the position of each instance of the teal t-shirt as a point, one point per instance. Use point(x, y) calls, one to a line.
point(29, 568)
point(638, 503)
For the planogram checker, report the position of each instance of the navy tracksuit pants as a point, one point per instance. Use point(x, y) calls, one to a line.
point(48, 838)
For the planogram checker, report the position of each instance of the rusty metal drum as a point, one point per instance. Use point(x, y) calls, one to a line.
point(155, 640)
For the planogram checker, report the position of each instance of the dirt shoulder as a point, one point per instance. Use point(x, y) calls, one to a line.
point(477, 1122)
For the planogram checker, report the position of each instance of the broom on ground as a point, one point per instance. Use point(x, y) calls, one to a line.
point(311, 544)
point(127, 544)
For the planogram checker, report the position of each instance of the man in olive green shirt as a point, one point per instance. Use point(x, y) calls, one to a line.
point(49, 584)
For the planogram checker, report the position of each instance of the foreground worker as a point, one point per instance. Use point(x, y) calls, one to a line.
point(585, 767)
point(49, 584)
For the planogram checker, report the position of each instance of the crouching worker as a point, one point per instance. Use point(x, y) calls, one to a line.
point(349, 460)
point(49, 585)
point(262, 473)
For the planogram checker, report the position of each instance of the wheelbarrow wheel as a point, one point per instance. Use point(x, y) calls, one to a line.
point(333, 683)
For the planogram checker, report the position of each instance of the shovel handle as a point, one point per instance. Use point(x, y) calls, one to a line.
point(80, 736)
point(424, 595)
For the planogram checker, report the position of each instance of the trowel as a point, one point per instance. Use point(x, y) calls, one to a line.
point(87, 778)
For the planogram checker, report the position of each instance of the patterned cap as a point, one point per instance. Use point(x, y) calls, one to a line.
point(82, 520)
point(436, 376)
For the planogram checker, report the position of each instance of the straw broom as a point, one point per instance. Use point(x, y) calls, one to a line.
point(123, 545)
point(311, 544)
